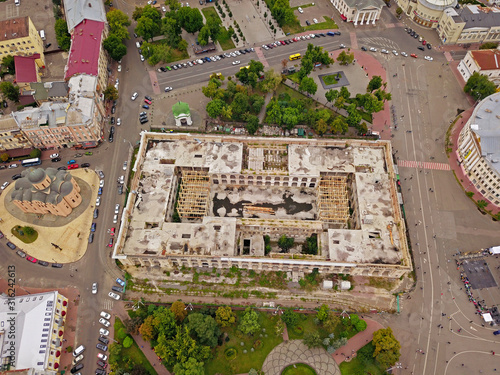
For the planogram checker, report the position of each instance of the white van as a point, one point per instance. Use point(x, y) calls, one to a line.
point(17, 2)
point(137, 44)
point(42, 34)
point(78, 351)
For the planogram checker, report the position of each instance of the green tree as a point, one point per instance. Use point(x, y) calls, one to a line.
point(354, 117)
point(204, 35)
point(339, 125)
point(115, 352)
point(29, 231)
point(180, 348)
point(190, 367)
point(360, 325)
point(190, 19)
point(308, 85)
point(489, 45)
point(345, 58)
point(290, 317)
point(214, 108)
point(35, 153)
point(321, 127)
point(482, 204)
point(331, 322)
point(479, 87)
point(250, 75)
point(239, 106)
point(204, 328)
point(224, 316)
point(62, 35)
point(252, 124)
point(8, 62)
point(311, 244)
point(146, 329)
point(137, 13)
point(127, 343)
point(312, 340)
point(323, 313)
point(386, 347)
point(179, 310)
point(146, 28)
point(152, 13)
point(344, 92)
point(256, 103)
point(339, 102)
point(171, 29)
point(113, 44)
point(111, 93)
point(271, 81)
point(118, 23)
point(374, 84)
point(249, 323)
point(214, 25)
point(4, 157)
point(291, 117)
point(164, 322)
point(399, 11)
point(285, 243)
point(10, 91)
point(132, 325)
point(331, 95)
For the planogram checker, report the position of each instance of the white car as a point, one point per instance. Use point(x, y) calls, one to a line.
point(125, 165)
point(77, 359)
point(94, 288)
point(5, 184)
point(342, 46)
point(164, 8)
point(384, 51)
point(236, 62)
point(121, 180)
point(199, 61)
point(142, 58)
point(105, 315)
point(114, 295)
point(373, 49)
point(118, 121)
point(115, 219)
point(404, 54)
point(265, 47)
point(98, 201)
point(103, 331)
point(53, 156)
point(300, 10)
point(104, 322)
point(187, 4)
point(117, 208)
point(101, 356)
point(315, 20)
point(168, 88)
point(13, 166)
point(233, 54)
point(134, 96)
point(394, 52)
point(428, 58)
point(101, 183)
point(237, 53)
point(119, 68)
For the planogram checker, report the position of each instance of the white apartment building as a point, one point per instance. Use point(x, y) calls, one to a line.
point(486, 62)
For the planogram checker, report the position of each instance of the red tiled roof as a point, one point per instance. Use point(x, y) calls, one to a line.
point(487, 59)
point(85, 48)
point(25, 68)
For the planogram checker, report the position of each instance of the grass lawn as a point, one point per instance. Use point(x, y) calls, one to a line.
point(16, 231)
point(357, 366)
point(296, 28)
point(178, 55)
point(307, 324)
point(329, 79)
point(134, 353)
point(298, 369)
point(242, 362)
point(224, 38)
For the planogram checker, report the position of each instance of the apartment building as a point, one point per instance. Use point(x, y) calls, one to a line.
point(19, 37)
point(486, 62)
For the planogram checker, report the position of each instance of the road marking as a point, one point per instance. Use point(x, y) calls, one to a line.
point(424, 165)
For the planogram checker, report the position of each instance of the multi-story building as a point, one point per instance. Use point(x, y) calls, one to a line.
point(470, 24)
point(74, 123)
point(49, 91)
point(486, 62)
point(426, 12)
point(48, 191)
point(359, 12)
point(78, 10)
point(37, 322)
point(19, 37)
point(26, 72)
point(11, 137)
point(86, 55)
point(203, 201)
point(478, 149)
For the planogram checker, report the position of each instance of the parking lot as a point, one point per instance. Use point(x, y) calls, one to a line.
point(318, 10)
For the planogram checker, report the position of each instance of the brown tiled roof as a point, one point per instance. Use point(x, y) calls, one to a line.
point(487, 59)
point(14, 28)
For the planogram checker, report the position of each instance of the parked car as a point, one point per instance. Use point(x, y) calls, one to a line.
point(78, 367)
point(102, 364)
point(91, 237)
point(11, 245)
point(120, 282)
point(57, 265)
point(117, 289)
point(62, 168)
point(43, 263)
point(134, 96)
point(105, 315)
point(56, 155)
point(104, 340)
point(96, 213)
point(17, 176)
point(94, 288)
point(32, 259)
point(4, 185)
point(103, 331)
point(93, 227)
point(85, 165)
point(102, 347)
point(114, 295)
point(21, 253)
point(73, 166)
point(104, 322)
point(98, 201)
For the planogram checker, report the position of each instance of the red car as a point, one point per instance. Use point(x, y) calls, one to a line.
point(413, 55)
point(110, 243)
point(112, 232)
point(31, 259)
point(147, 101)
point(424, 42)
point(73, 166)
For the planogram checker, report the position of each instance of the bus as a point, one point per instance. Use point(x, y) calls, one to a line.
point(31, 162)
point(294, 57)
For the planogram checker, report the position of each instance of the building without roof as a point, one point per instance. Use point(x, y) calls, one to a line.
point(478, 148)
point(19, 37)
point(48, 191)
point(86, 55)
point(485, 62)
point(78, 10)
point(37, 322)
point(11, 137)
point(208, 201)
point(359, 12)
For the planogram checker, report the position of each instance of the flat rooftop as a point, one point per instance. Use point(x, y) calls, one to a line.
point(245, 188)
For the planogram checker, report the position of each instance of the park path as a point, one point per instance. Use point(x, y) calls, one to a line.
point(357, 341)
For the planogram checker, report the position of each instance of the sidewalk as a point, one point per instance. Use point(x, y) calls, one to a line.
point(357, 341)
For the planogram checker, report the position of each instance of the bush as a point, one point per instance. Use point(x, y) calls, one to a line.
point(121, 334)
point(127, 343)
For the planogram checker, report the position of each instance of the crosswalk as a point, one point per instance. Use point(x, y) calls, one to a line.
point(379, 42)
point(423, 165)
point(107, 304)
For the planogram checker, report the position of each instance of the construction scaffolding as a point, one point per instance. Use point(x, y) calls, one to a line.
point(194, 192)
point(333, 202)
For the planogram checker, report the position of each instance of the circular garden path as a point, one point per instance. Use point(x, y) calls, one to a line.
point(294, 351)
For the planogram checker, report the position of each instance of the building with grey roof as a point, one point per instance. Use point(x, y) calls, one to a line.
point(46, 191)
point(479, 148)
point(359, 11)
point(208, 201)
point(49, 91)
point(79, 10)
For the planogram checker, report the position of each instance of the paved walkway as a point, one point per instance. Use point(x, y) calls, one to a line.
point(291, 352)
point(357, 342)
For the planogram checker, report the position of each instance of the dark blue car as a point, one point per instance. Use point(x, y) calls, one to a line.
point(92, 228)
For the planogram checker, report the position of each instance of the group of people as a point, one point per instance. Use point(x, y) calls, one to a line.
point(480, 308)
